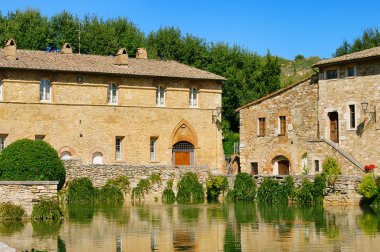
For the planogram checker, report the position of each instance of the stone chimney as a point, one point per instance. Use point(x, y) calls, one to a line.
point(141, 53)
point(66, 49)
point(10, 50)
point(121, 57)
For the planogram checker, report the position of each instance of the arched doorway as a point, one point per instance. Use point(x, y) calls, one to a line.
point(183, 153)
point(281, 165)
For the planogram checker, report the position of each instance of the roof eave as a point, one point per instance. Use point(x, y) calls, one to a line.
point(344, 61)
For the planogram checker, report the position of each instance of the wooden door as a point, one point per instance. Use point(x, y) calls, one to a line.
point(182, 158)
point(334, 132)
point(283, 167)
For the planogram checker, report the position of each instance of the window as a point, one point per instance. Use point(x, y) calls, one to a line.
point(118, 148)
point(331, 74)
point(1, 90)
point(254, 168)
point(351, 71)
point(65, 155)
point(352, 116)
point(193, 97)
point(97, 158)
point(316, 165)
point(112, 93)
point(282, 125)
point(39, 137)
point(160, 96)
point(262, 126)
point(153, 141)
point(2, 142)
point(45, 90)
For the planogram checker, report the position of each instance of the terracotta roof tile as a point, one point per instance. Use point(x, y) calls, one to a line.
point(55, 61)
point(369, 53)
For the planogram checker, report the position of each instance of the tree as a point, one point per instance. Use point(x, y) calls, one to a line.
point(64, 28)
point(165, 43)
point(31, 160)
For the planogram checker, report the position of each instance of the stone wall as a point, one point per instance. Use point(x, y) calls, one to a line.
point(26, 193)
point(99, 174)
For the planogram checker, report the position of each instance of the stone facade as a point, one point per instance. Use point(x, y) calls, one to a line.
point(80, 123)
point(25, 193)
point(268, 149)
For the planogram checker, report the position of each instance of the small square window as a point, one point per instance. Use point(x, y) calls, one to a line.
point(254, 168)
point(39, 137)
point(332, 74)
point(351, 72)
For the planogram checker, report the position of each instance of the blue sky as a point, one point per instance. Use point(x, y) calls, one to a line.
point(286, 28)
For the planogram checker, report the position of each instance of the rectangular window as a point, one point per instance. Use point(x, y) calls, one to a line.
point(1, 90)
point(262, 126)
point(193, 97)
point(316, 165)
point(153, 141)
point(350, 72)
point(2, 142)
point(39, 137)
point(352, 116)
point(160, 96)
point(118, 148)
point(45, 90)
point(282, 125)
point(331, 74)
point(254, 168)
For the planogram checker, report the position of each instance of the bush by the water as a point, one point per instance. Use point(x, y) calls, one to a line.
point(27, 159)
point(168, 195)
point(273, 191)
point(81, 190)
point(121, 182)
point(215, 185)
point(312, 192)
point(141, 189)
point(368, 187)
point(244, 188)
point(190, 190)
point(331, 170)
point(11, 212)
point(47, 209)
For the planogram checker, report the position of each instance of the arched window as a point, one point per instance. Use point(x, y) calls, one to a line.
point(160, 96)
point(97, 158)
point(193, 97)
point(65, 155)
point(45, 90)
point(112, 93)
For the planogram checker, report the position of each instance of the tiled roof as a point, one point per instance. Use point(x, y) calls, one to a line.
point(55, 61)
point(275, 93)
point(369, 53)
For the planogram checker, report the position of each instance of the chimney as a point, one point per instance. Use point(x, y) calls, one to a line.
point(121, 57)
point(66, 49)
point(10, 50)
point(141, 53)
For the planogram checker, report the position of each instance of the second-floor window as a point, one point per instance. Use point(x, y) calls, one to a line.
point(351, 71)
point(352, 116)
point(282, 125)
point(160, 96)
point(193, 97)
point(262, 126)
point(45, 90)
point(112, 93)
point(332, 74)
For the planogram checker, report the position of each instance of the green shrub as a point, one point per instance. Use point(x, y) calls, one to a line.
point(11, 212)
point(331, 170)
point(31, 160)
point(142, 187)
point(244, 188)
point(190, 190)
point(81, 190)
point(273, 191)
point(168, 196)
point(319, 187)
point(109, 194)
point(215, 185)
point(368, 187)
point(305, 193)
point(121, 182)
point(312, 193)
point(155, 178)
point(47, 209)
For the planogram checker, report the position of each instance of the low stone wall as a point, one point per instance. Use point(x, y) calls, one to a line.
point(99, 174)
point(343, 192)
point(26, 193)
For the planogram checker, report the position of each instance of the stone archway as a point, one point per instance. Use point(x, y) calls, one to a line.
point(183, 131)
point(281, 165)
point(183, 142)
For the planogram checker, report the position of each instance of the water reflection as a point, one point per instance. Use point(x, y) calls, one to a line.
point(200, 227)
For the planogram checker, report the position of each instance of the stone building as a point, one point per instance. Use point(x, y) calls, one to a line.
point(111, 109)
point(293, 130)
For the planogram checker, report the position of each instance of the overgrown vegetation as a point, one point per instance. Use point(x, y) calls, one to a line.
point(168, 195)
point(244, 188)
point(121, 182)
point(312, 192)
point(141, 189)
point(11, 212)
point(273, 191)
point(155, 178)
point(27, 159)
point(47, 209)
point(190, 190)
point(81, 190)
point(293, 71)
point(368, 187)
point(331, 170)
point(215, 185)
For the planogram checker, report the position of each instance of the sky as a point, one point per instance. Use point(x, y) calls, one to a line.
point(286, 28)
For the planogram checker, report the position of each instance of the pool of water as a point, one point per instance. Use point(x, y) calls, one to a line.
point(202, 227)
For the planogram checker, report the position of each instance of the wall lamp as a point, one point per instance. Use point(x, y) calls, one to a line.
point(372, 113)
point(216, 113)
